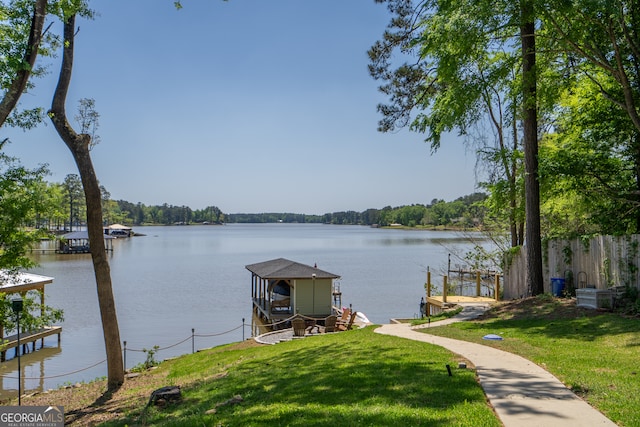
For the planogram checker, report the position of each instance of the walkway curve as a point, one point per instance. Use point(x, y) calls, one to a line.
point(521, 392)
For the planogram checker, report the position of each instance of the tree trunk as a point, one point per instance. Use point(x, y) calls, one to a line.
point(533, 242)
point(517, 226)
point(512, 174)
point(79, 146)
point(19, 83)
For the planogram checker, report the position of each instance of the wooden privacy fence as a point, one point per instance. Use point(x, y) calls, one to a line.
point(600, 262)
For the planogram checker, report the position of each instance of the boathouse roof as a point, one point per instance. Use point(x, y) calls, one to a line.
point(119, 227)
point(81, 235)
point(22, 282)
point(281, 268)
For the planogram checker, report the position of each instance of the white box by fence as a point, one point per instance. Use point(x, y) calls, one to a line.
point(594, 298)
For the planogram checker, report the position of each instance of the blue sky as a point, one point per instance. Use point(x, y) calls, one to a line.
point(251, 106)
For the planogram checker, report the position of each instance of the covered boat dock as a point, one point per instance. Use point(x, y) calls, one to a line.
point(21, 283)
point(118, 230)
point(281, 288)
point(77, 242)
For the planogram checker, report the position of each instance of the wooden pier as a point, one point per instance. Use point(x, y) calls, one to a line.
point(436, 304)
point(27, 338)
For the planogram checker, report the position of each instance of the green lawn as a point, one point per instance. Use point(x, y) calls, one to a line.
point(354, 378)
point(597, 355)
point(359, 378)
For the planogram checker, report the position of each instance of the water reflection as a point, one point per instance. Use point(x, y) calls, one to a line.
point(32, 376)
point(419, 241)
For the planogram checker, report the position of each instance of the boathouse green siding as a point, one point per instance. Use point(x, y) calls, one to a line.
point(312, 297)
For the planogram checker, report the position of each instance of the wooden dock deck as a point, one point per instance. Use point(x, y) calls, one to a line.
point(268, 314)
point(455, 299)
point(438, 303)
point(27, 338)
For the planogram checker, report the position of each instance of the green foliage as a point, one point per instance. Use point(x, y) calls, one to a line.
point(74, 200)
point(466, 63)
point(630, 302)
point(150, 360)
point(510, 254)
point(606, 272)
point(88, 119)
point(33, 317)
point(66, 8)
point(628, 265)
point(570, 285)
point(484, 258)
point(464, 212)
point(66, 206)
point(444, 315)
point(15, 26)
point(587, 168)
point(22, 201)
point(464, 68)
point(598, 41)
point(567, 254)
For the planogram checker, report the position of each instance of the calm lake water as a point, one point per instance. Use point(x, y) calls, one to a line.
point(175, 279)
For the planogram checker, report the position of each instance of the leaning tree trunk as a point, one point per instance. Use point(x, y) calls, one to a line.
point(533, 242)
point(19, 83)
point(79, 146)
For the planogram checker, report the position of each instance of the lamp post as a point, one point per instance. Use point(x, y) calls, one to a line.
point(17, 306)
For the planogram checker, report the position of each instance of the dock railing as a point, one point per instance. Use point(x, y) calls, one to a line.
point(436, 304)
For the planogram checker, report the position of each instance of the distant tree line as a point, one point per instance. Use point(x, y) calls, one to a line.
point(66, 211)
point(467, 211)
point(65, 208)
point(165, 214)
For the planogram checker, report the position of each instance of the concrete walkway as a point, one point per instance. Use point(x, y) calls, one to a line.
point(522, 393)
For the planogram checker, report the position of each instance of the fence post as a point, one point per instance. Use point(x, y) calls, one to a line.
point(428, 310)
point(125, 356)
point(243, 329)
point(193, 343)
point(444, 288)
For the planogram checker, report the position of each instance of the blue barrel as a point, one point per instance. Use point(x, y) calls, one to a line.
point(557, 286)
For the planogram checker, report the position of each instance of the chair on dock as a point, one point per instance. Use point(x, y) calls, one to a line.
point(349, 325)
point(330, 323)
point(299, 326)
point(310, 324)
point(344, 318)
